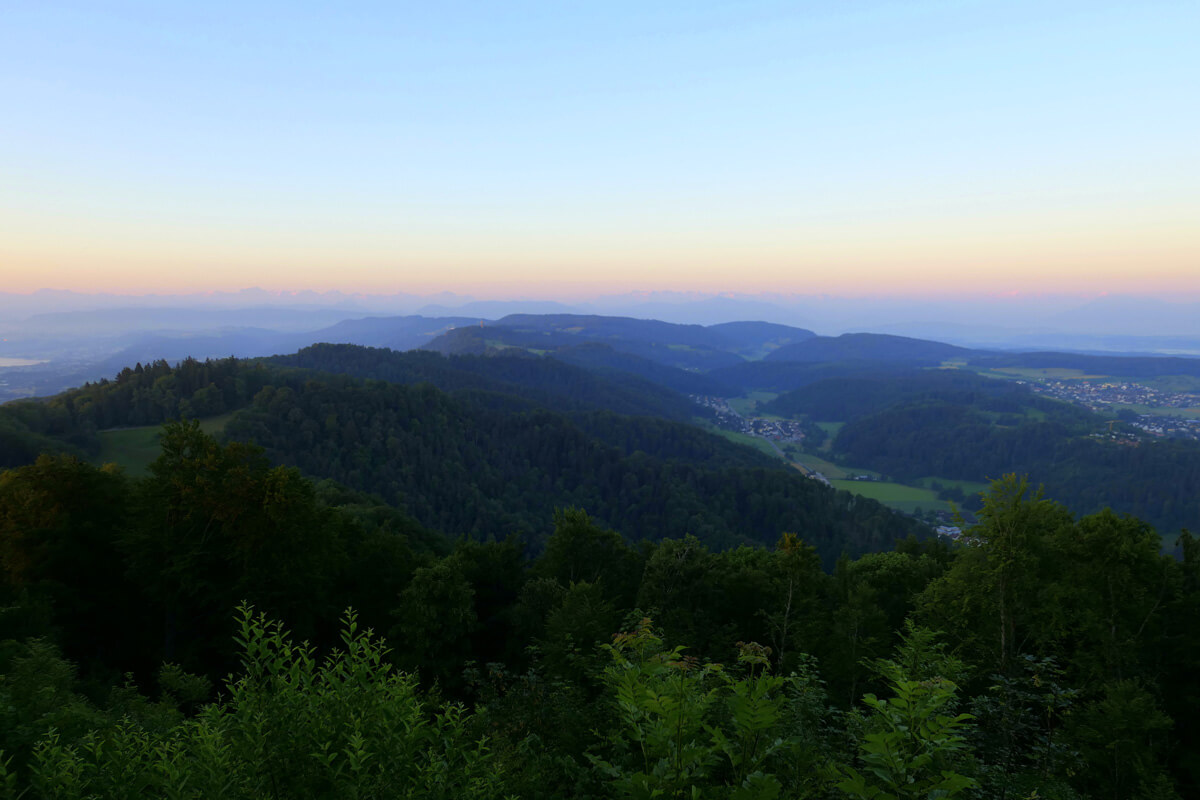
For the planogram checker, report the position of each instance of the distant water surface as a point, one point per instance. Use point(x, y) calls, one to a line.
point(19, 362)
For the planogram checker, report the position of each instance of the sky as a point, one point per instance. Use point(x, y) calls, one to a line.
point(550, 149)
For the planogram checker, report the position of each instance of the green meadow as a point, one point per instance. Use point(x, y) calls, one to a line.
point(896, 495)
point(814, 463)
point(748, 404)
point(1158, 411)
point(1173, 383)
point(133, 449)
point(968, 487)
point(1042, 373)
point(757, 442)
point(831, 428)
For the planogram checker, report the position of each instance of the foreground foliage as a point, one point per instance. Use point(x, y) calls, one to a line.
point(1048, 656)
point(347, 726)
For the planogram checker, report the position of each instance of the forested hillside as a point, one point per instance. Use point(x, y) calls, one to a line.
point(576, 602)
point(961, 426)
point(1152, 480)
point(1143, 366)
point(548, 382)
point(602, 358)
point(785, 376)
point(1049, 657)
point(140, 395)
point(847, 399)
point(478, 341)
point(463, 470)
point(869, 347)
point(479, 462)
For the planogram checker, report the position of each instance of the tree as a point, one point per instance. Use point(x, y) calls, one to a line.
point(912, 743)
point(218, 525)
point(992, 599)
point(579, 550)
point(797, 569)
point(60, 523)
point(1106, 603)
point(1122, 734)
point(435, 621)
point(689, 729)
point(293, 725)
point(915, 745)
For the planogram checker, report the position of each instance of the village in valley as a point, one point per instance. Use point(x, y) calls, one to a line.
point(771, 429)
point(784, 433)
point(1120, 398)
point(1136, 412)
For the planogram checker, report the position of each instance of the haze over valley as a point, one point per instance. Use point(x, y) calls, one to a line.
point(61, 339)
point(736, 377)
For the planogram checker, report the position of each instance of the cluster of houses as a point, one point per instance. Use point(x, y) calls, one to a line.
point(1101, 396)
point(726, 417)
point(777, 430)
point(816, 476)
point(1168, 427)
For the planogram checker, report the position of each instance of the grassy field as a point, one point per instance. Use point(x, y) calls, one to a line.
point(895, 495)
point(968, 487)
point(748, 405)
point(830, 470)
point(1043, 373)
point(791, 451)
point(759, 353)
point(214, 425)
point(1173, 383)
point(1159, 411)
point(496, 344)
point(134, 448)
point(831, 428)
point(757, 442)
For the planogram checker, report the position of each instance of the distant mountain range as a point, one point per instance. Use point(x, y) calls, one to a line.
point(595, 364)
point(869, 347)
point(692, 347)
point(82, 346)
point(968, 321)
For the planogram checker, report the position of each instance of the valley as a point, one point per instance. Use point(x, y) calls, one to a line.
point(801, 444)
point(874, 415)
point(513, 497)
point(599, 401)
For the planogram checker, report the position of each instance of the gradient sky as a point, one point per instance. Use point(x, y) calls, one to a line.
point(556, 149)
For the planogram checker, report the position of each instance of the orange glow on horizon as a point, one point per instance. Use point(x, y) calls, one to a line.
point(1076, 253)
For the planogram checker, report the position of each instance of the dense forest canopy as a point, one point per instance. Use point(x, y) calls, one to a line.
point(959, 425)
point(480, 461)
point(1049, 654)
point(849, 398)
point(414, 575)
point(542, 381)
point(869, 347)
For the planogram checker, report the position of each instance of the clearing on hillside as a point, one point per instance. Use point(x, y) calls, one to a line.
point(133, 449)
point(895, 495)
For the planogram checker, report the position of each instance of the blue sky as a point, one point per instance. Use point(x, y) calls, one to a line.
point(559, 148)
